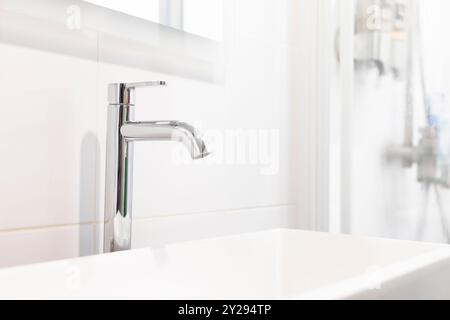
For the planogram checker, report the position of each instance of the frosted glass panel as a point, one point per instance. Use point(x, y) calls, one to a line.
point(399, 150)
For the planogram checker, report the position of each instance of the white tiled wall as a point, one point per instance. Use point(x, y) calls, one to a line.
point(52, 142)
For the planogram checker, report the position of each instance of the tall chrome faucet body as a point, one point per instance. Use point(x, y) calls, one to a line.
point(122, 132)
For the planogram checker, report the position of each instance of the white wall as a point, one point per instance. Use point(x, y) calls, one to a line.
point(52, 139)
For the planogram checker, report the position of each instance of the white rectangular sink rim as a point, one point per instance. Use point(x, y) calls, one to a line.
point(354, 287)
point(277, 264)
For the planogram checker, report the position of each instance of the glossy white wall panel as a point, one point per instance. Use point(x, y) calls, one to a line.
point(48, 142)
point(155, 232)
point(254, 97)
point(52, 243)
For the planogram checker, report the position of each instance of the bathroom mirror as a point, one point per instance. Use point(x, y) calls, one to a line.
point(179, 37)
point(200, 17)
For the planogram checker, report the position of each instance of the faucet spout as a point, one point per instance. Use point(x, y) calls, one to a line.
point(167, 131)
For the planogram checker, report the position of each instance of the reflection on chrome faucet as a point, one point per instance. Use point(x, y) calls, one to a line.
point(123, 131)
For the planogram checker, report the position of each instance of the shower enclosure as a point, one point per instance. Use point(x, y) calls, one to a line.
point(389, 113)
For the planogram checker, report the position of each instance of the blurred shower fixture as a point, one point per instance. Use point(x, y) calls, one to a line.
point(433, 172)
point(432, 153)
point(380, 36)
point(433, 163)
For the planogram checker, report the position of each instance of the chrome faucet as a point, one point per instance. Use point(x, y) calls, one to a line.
point(123, 131)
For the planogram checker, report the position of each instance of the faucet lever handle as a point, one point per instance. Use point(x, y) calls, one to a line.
point(124, 93)
point(135, 85)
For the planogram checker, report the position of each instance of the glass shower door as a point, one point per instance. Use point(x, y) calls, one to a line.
point(395, 127)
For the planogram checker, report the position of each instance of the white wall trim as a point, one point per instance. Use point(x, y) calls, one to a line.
point(347, 20)
point(315, 82)
point(325, 55)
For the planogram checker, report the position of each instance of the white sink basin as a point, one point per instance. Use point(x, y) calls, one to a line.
point(279, 264)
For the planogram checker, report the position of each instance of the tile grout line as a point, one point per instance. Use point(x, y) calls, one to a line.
point(229, 211)
point(161, 216)
point(54, 226)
